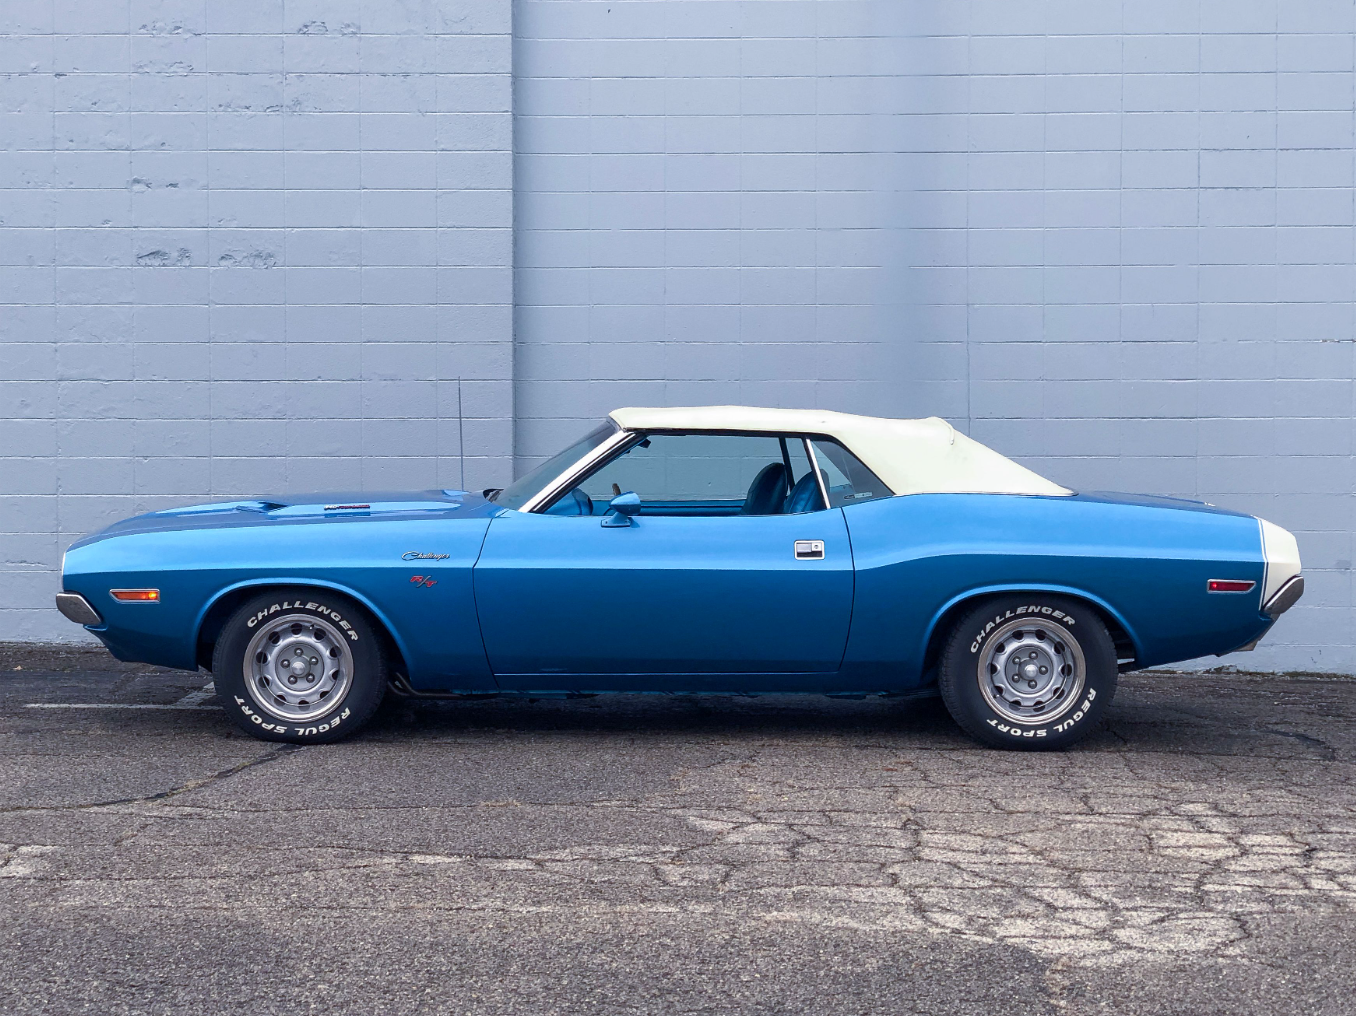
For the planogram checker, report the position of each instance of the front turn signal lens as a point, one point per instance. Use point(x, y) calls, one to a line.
point(1230, 586)
point(135, 595)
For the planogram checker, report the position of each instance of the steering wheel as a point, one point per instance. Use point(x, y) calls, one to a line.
point(582, 501)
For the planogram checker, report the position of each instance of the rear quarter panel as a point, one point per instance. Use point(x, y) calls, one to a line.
point(1145, 563)
point(434, 625)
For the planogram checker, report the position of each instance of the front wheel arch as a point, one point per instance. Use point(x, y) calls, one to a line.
point(227, 601)
point(1127, 645)
point(300, 665)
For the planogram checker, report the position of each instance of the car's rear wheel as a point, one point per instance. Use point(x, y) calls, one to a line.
point(1028, 671)
point(300, 665)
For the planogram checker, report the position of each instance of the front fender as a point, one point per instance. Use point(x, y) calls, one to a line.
point(413, 574)
point(250, 586)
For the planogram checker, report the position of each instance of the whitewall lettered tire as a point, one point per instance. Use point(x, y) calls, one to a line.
point(303, 666)
point(1028, 670)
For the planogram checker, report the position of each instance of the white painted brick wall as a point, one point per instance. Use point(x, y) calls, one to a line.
point(245, 246)
point(1114, 240)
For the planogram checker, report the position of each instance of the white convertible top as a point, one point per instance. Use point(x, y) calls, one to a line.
point(911, 456)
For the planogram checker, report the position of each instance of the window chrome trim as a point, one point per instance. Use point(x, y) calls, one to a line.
point(576, 472)
point(623, 438)
point(819, 473)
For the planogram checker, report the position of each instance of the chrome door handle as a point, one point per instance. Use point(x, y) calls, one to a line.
point(809, 550)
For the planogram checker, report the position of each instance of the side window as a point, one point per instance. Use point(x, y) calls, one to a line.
point(688, 470)
point(845, 476)
point(700, 474)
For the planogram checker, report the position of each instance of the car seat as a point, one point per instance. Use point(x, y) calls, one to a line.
point(804, 496)
point(766, 492)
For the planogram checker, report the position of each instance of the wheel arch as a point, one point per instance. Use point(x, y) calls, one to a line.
point(227, 601)
point(1128, 646)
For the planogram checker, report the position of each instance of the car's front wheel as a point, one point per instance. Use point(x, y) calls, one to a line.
point(1028, 671)
point(299, 665)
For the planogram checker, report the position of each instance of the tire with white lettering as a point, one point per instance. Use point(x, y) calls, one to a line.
point(300, 665)
point(1028, 671)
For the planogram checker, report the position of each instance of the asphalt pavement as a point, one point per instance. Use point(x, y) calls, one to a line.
point(672, 854)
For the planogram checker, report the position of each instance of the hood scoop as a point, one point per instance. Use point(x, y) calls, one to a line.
point(344, 505)
point(347, 509)
point(222, 507)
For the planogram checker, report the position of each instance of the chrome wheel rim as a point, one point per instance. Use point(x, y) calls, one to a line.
point(297, 667)
point(1032, 671)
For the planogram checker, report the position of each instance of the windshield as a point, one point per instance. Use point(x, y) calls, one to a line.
point(526, 487)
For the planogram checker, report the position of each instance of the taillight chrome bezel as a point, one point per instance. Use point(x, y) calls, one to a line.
point(1230, 586)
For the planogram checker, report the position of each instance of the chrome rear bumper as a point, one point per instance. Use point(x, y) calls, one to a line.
point(77, 608)
point(1284, 597)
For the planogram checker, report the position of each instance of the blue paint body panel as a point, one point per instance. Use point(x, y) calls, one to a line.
point(194, 559)
point(668, 603)
point(1144, 561)
point(533, 603)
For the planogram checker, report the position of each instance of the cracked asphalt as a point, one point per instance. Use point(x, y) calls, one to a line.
point(673, 855)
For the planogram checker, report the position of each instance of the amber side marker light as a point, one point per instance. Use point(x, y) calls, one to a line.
point(1230, 586)
point(135, 595)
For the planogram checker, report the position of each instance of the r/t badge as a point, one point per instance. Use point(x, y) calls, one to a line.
point(423, 580)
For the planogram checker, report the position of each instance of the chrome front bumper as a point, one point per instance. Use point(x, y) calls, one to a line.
point(77, 608)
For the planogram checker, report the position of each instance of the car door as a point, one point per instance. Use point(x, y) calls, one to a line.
point(702, 591)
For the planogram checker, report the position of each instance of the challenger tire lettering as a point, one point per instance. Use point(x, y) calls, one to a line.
point(333, 615)
point(1059, 615)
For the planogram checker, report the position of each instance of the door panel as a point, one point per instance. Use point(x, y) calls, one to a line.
point(667, 603)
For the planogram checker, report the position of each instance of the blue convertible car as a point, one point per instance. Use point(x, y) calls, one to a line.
point(716, 549)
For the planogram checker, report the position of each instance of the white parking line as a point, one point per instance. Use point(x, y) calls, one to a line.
point(197, 698)
point(193, 700)
point(105, 705)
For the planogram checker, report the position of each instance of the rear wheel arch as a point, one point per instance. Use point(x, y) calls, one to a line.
point(1030, 671)
point(228, 601)
point(950, 615)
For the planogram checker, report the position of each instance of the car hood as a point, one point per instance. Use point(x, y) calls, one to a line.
point(324, 508)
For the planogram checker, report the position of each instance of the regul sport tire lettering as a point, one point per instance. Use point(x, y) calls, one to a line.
point(280, 727)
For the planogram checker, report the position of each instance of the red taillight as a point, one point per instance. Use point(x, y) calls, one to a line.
point(1230, 586)
point(135, 595)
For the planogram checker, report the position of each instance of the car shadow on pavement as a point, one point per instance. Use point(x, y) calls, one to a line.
point(1221, 713)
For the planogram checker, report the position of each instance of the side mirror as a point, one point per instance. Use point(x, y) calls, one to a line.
point(621, 508)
